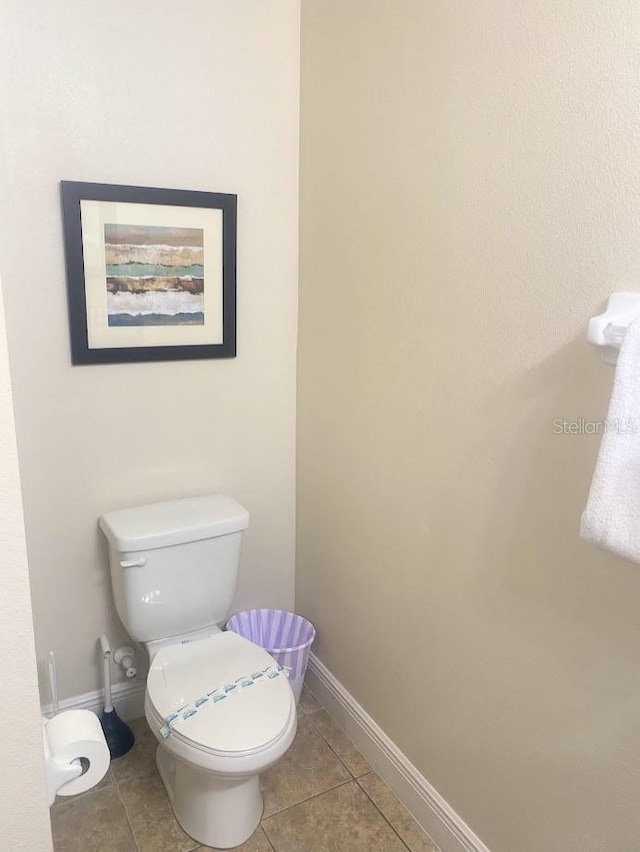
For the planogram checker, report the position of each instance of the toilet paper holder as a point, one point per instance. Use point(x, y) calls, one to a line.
point(608, 329)
point(74, 746)
point(58, 774)
point(76, 752)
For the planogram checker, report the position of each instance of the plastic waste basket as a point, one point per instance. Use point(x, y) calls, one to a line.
point(286, 636)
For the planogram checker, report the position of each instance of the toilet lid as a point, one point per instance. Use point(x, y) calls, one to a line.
point(247, 720)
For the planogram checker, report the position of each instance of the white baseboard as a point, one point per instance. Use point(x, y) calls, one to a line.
point(433, 813)
point(128, 700)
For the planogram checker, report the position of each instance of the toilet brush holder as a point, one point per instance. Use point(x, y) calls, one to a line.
point(118, 734)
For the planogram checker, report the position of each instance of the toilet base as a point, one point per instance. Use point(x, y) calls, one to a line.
point(215, 810)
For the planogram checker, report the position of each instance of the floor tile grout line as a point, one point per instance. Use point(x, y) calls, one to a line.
point(320, 793)
point(355, 777)
point(366, 792)
point(383, 815)
point(271, 846)
point(116, 784)
point(315, 709)
point(308, 799)
point(136, 777)
point(317, 796)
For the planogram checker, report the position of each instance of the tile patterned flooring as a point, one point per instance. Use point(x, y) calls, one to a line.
point(321, 797)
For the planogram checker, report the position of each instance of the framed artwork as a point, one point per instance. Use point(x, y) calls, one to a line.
point(151, 273)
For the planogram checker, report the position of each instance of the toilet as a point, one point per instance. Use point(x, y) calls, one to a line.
point(221, 708)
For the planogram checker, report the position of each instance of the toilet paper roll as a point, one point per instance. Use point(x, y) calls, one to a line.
point(77, 735)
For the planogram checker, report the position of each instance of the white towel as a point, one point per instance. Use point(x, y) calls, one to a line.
point(612, 515)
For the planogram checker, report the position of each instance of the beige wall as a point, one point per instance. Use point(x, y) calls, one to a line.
point(200, 95)
point(24, 812)
point(470, 185)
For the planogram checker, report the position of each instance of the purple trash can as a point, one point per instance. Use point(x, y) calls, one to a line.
point(285, 635)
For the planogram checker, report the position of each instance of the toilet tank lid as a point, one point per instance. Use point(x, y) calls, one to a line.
point(173, 522)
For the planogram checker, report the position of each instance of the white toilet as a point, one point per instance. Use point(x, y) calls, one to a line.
point(221, 708)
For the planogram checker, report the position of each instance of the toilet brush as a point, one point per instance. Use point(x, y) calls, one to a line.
point(117, 733)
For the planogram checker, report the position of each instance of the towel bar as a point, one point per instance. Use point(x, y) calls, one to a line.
point(608, 329)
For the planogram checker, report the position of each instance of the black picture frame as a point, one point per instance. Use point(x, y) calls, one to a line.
point(86, 326)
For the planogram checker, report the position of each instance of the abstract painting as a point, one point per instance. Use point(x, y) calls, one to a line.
point(151, 273)
point(155, 275)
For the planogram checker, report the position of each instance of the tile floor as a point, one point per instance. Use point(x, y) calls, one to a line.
point(321, 797)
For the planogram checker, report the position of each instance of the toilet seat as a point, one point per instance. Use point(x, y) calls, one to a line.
point(248, 721)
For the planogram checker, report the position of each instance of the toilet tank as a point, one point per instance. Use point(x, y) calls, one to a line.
point(174, 565)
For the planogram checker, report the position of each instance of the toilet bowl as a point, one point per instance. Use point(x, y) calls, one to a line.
point(210, 762)
point(220, 707)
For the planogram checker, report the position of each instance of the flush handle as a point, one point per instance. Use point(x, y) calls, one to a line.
point(133, 563)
